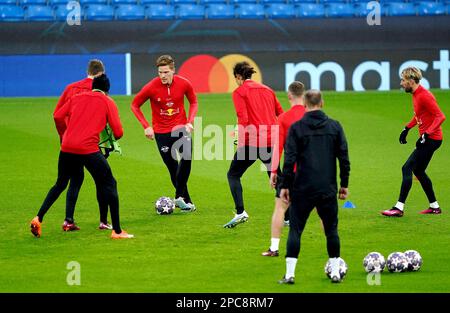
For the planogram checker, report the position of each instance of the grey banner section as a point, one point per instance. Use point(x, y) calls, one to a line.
point(333, 54)
point(225, 35)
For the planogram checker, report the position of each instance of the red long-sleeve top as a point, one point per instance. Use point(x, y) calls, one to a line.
point(167, 104)
point(73, 89)
point(427, 114)
point(285, 121)
point(257, 108)
point(87, 114)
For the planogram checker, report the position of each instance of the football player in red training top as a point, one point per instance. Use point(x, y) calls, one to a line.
point(257, 108)
point(95, 68)
point(429, 118)
point(170, 126)
point(80, 122)
point(285, 120)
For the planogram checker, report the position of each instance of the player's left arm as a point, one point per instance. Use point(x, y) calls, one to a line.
point(342, 156)
point(278, 108)
point(433, 108)
point(59, 117)
point(114, 119)
point(193, 107)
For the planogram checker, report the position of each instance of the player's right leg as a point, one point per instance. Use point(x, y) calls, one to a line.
point(164, 143)
point(407, 177)
point(328, 213)
point(242, 160)
point(425, 153)
point(276, 226)
point(300, 208)
point(100, 170)
point(53, 194)
point(76, 180)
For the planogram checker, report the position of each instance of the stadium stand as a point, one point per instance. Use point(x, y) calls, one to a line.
point(340, 10)
point(280, 10)
point(39, 13)
point(160, 12)
point(219, 11)
point(129, 12)
point(190, 12)
point(250, 11)
point(400, 9)
point(310, 10)
point(9, 13)
point(105, 10)
point(99, 12)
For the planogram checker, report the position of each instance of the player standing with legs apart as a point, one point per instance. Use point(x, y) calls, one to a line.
point(80, 122)
point(285, 120)
point(429, 118)
point(313, 145)
point(257, 108)
point(95, 68)
point(171, 129)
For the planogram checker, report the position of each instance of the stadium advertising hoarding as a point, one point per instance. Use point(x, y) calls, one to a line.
point(328, 70)
point(48, 75)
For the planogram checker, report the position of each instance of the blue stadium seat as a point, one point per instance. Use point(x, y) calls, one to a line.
point(25, 3)
point(389, 1)
point(333, 1)
point(340, 10)
point(302, 1)
point(146, 2)
point(58, 2)
point(280, 10)
point(400, 9)
point(310, 10)
point(250, 11)
point(190, 11)
point(183, 2)
point(87, 2)
point(129, 12)
point(272, 1)
point(39, 13)
point(10, 2)
point(115, 3)
point(243, 1)
point(219, 11)
point(11, 13)
point(160, 12)
point(208, 2)
point(61, 12)
point(99, 12)
point(431, 8)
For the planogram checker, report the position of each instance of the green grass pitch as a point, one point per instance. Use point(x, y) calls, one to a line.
point(192, 252)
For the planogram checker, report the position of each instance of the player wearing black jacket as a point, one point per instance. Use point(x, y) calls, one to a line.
point(314, 143)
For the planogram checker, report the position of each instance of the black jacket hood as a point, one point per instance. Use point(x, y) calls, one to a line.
point(315, 119)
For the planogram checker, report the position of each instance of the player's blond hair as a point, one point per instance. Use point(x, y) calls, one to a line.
point(165, 60)
point(412, 73)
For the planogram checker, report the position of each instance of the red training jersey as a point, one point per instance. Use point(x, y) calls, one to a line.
point(71, 90)
point(427, 114)
point(87, 115)
point(285, 121)
point(257, 108)
point(167, 104)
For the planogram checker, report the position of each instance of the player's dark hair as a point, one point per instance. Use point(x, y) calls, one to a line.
point(165, 60)
point(297, 89)
point(244, 69)
point(101, 83)
point(313, 98)
point(95, 67)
